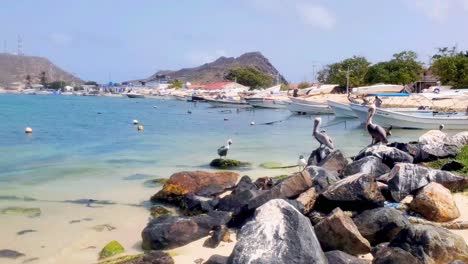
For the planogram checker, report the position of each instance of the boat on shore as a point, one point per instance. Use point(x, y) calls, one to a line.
point(341, 109)
point(135, 95)
point(228, 103)
point(318, 89)
point(377, 89)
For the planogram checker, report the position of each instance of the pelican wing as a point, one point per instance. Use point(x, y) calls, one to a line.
point(222, 151)
point(324, 139)
point(377, 132)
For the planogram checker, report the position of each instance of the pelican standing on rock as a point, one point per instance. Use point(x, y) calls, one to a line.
point(378, 133)
point(301, 163)
point(223, 150)
point(321, 136)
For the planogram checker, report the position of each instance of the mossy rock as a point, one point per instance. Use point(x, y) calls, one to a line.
point(111, 249)
point(158, 211)
point(228, 164)
point(121, 260)
point(461, 158)
point(271, 165)
point(155, 182)
point(29, 212)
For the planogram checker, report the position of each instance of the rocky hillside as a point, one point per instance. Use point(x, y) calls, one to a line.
point(216, 70)
point(15, 68)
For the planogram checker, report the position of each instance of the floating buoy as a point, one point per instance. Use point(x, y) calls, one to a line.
point(140, 128)
point(189, 112)
point(28, 130)
point(155, 106)
point(135, 122)
point(252, 123)
point(226, 119)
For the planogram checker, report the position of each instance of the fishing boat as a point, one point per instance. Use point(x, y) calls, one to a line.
point(361, 111)
point(309, 108)
point(420, 119)
point(228, 103)
point(266, 102)
point(341, 109)
point(29, 91)
point(377, 88)
point(134, 95)
point(318, 89)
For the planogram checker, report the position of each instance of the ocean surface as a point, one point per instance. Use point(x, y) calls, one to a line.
point(88, 148)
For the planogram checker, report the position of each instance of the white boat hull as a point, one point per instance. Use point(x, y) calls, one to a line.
point(135, 95)
point(309, 109)
point(228, 104)
point(379, 88)
point(266, 103)
point(341, 110)
point(412, 119)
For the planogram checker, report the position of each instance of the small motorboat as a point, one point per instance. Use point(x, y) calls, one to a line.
point(135, 95)
point(266, 102)
point(308, 107)
point(228, 103)
point(341, 109)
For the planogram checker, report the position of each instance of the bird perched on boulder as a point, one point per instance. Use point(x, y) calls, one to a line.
point(301, 163)
point(378, 133)
point(321, 136)
point(223, 150)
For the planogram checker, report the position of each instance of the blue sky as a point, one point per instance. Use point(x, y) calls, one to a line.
point(124, 39)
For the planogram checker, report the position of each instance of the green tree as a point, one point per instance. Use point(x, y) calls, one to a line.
point(176, 84)
point(43, 78)
point(284, 87)
point(336, 73)
point(91, 83)
point(249, 76)
point(303, 85)
point(402, 69)
point(28, 81)
point(57, 85)
point(451, 67)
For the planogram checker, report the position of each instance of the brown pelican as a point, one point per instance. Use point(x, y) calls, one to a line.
point(378, 133)
point(223, 150)
point(301, 163)
point(320, 136)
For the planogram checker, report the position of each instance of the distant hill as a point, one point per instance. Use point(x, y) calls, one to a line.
point(216, 70)
point(14, 68)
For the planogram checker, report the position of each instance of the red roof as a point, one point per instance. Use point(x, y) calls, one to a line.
point(216, 86)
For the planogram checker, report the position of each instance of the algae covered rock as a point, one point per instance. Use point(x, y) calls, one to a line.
point(155, 182)
point(16, 210)
point(111, 249)
point(158, 211)
point(228, 164)
point(271, 165)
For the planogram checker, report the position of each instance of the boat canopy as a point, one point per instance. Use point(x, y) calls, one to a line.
point(390, 94)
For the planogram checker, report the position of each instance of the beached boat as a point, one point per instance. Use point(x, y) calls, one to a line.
point(135, 95)
point(417, 119)
point(318, 89)
point(228, 103)
point(445, 94)
point(29, 91)
point(377, 88)
point(309, 108)
point(341, 109)
point(266, 102)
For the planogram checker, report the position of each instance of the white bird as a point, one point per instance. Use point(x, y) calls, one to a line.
point(135, 122)
point(301, 163)
point(252, 123)
point(223, 150)
point(321, 136)
point(378, 133)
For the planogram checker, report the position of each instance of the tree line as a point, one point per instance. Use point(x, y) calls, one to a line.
point(449, 65)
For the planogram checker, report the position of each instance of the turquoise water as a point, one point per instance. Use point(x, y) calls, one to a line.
point(93, 137)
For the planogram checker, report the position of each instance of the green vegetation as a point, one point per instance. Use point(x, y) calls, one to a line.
point(123, 259)
point(158, 211)
point(176, 84)
point(336, 73)
point(16, 210)
point(303, 85)
point(91, 83)
point(111, 249)
point(57, 85)
point(402, 69)
point(284, 87)
point(451, 67)
point(250, 76)
point(43, 78)
point(462, 158)
point(271, 165)
point(281, 177)
point(228, 164)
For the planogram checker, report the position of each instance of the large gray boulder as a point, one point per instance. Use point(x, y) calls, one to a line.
point(389, 155)
point(240, 196)
point(368, 165)
point(380, 224)
point(384, 254)
point(335, 161)
point(277, 234)
point(354, 193)
point(406, 178)
point(340, 257)
point(322, 178)
point(338, 232)
point(435, 145)
point(167, 232)
point(431, 244)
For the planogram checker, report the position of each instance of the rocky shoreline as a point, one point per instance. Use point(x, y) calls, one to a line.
point(385, 202)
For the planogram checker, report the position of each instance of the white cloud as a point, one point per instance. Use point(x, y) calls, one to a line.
point(439, 10)
point(61, 39)
point(201, 57)
point(303, 11)
point(315, 15)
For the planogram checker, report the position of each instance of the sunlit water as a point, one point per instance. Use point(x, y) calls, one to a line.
point(88, 148)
